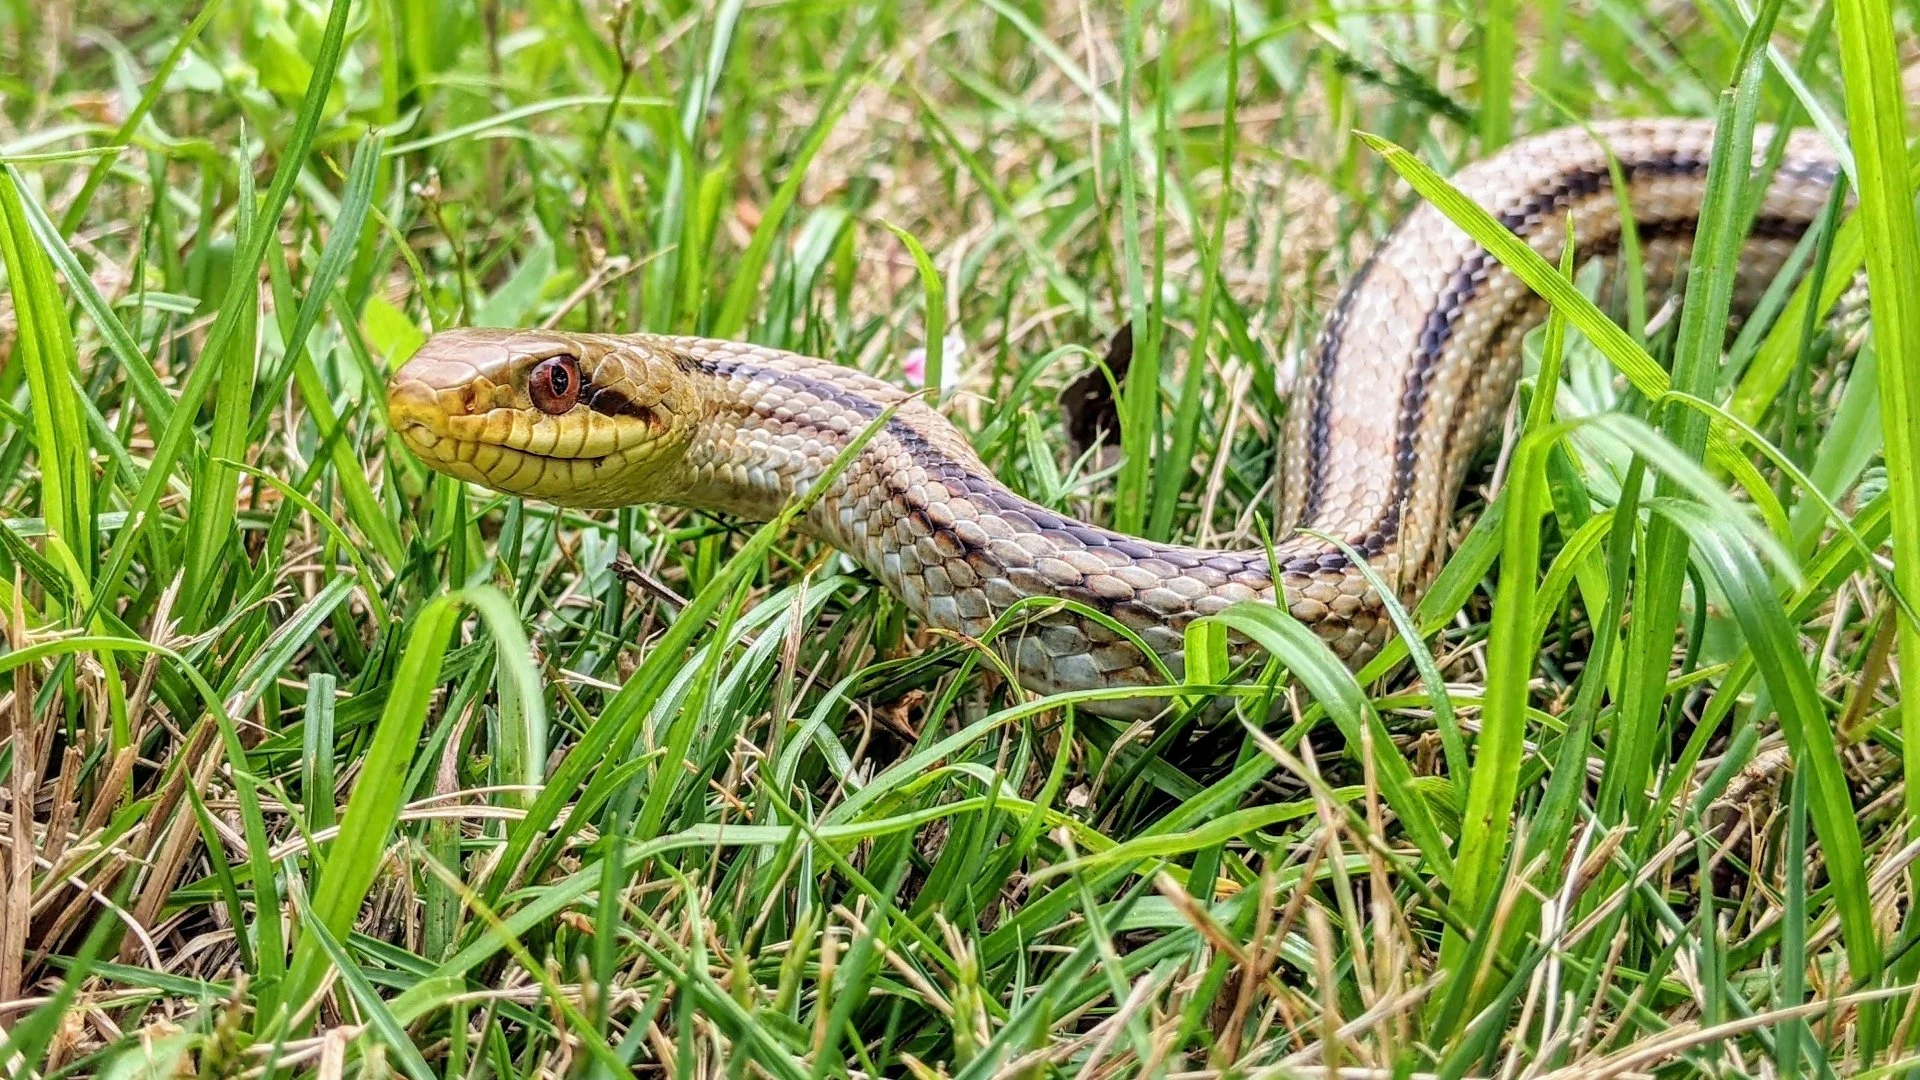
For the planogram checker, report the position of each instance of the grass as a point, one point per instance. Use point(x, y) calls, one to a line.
point(315, 761)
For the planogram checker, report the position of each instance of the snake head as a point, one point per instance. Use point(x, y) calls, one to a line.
point(585, 420)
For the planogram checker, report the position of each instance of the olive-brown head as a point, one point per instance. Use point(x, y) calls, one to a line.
point(586, 420)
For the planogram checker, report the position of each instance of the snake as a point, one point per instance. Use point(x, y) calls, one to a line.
point(1413, 368)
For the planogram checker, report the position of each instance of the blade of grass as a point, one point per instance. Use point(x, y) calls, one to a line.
point(316, 750)
point(507, 118)
point(211, 509)
point(374, 807)
point(1486, 822)
point(1793, 930)
point(1658, 593)
point(77, 209)
point(1140, 393)
point(44, 347)
point(1876, 112)
point(1512, 648)
point(1497, 63)
point(1175, 472)
point(359, 989)
point(935, 291)
point(226, 324)
point(144, 381)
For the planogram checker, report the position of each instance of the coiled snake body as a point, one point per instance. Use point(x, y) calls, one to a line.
point(1417, 360)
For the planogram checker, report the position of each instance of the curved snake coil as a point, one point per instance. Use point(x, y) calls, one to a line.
point(1417, 360)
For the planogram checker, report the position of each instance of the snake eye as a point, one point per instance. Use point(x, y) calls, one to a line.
point(554, 385)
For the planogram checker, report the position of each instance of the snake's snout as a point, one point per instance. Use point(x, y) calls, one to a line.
point(411, 403)
point(418, 409)
point(444, 390)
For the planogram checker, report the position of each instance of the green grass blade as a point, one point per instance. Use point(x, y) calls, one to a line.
point(745, 285)
point(1659, 587)
point(216, 487)
point(227, 324)
point(145, 383)
point(1139, 402)
point(374, 807)
point(1876, 111)
point(361, 991)
point(44, 347)
point(1331, 684)
point(77, 209)
point(1486, 822)
point(1512, 647)
point(1803, 719)
point(935, 290)
point(1497, 63)
point(1172, 478)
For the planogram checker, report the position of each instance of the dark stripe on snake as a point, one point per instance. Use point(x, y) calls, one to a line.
point(962, 481)
point(1440, 325)
point(608, 401)
point(1459, 293)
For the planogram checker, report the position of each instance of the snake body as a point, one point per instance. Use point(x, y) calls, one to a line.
point(1416, 361)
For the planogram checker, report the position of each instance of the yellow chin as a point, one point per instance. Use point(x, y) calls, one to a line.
point(586, 483)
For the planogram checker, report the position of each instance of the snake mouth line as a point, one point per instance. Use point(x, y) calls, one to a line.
point(415, 413)
point(460, 456)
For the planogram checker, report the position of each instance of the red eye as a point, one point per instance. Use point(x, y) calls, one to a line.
point(554, 385)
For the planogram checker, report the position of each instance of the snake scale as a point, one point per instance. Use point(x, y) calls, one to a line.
point(1415, 364)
